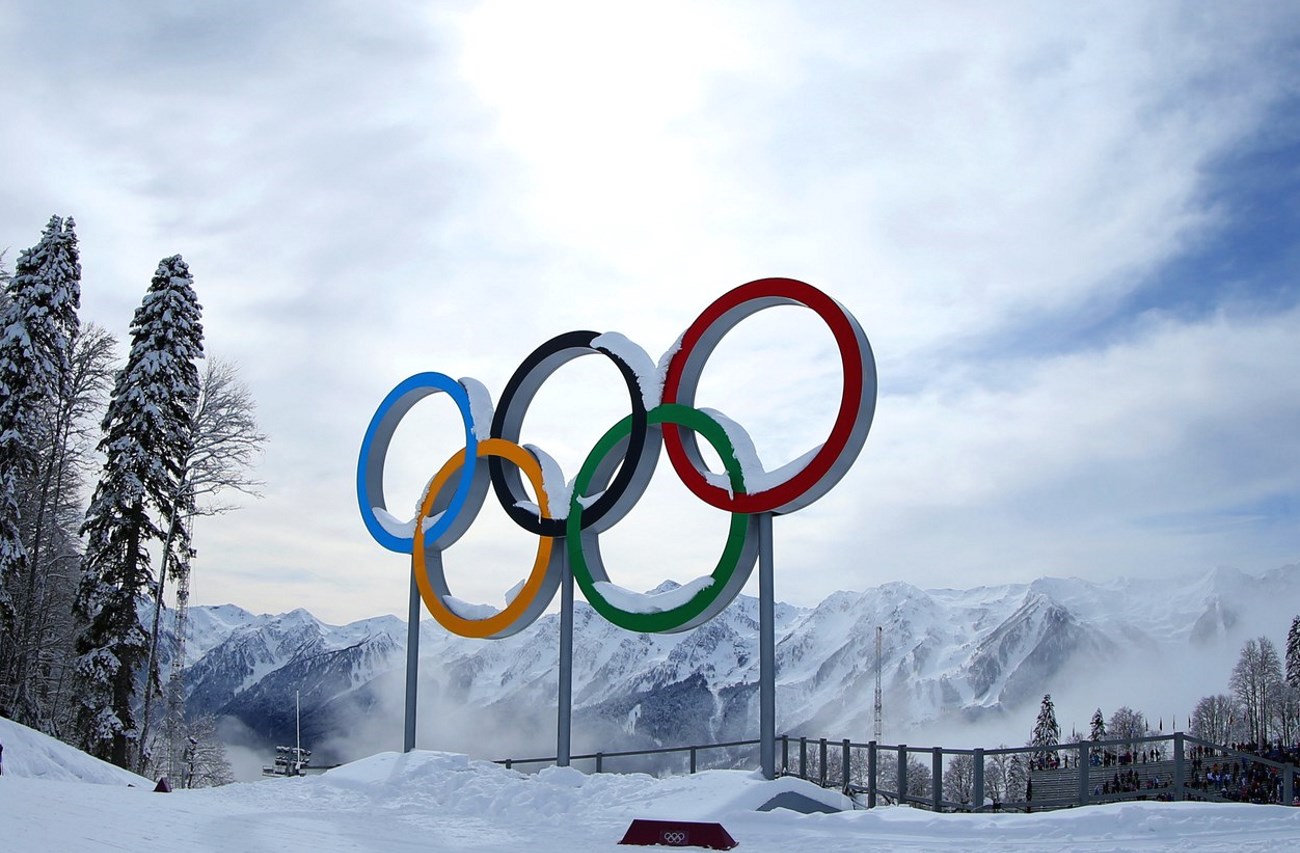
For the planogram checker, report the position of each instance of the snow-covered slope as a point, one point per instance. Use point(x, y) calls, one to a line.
point(437, 801)
point(29, 754)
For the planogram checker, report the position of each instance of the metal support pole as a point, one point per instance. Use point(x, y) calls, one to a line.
point(413, 655)
point(902, 773)
point(1081, 762)
point(564, 716)
point(766, 649)
point(821, 763)
point(936, 778)
point(803, 758)
point(692, 759)
point(978, 804)
point(785, 754)
point(871, 774)
point(845, 766)
point(1180, 770)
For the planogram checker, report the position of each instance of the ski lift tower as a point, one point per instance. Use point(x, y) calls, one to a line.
point(879, 632)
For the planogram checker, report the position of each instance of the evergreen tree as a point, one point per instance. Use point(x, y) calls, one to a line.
point(1293, 653)
point(1047, 732)
point(1097, 732)
point(147, 431)
point(38, 329)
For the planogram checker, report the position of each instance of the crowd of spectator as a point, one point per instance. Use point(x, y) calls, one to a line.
point(1131, 781)
point(1229, 774)
point(1107, 758)
point(1236, 777)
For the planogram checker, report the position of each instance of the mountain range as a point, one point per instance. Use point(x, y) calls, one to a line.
point(967, 664)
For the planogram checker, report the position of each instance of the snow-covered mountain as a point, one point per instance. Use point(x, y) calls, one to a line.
point(949, 657)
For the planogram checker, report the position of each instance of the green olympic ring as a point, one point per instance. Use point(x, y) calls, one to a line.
point(734, 565)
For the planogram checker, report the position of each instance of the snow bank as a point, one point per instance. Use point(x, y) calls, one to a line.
point(420, 801)
point(28, 754)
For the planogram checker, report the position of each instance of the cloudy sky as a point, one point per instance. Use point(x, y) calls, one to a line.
point(1069, 230)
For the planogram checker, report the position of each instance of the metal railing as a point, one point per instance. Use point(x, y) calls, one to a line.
point(1173, 767)
point(599, 757)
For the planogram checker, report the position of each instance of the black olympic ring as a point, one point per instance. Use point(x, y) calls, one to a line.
point(642, 450)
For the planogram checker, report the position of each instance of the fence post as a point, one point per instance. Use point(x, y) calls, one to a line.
point(845, 769)
point(871, 774)
point(803, 758)
point(1288, 784)
point(1180, 778)
point(600, 761)
point(692, 759)
point(508, 762)
point(902, 773)
point(1081, 763)
point(978, 805)
point(785, 754)
point(821, 763)
point(936, 782)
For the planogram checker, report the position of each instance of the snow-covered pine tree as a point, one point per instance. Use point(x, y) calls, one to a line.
point(1293, 654)
point(1097, 731)
point(1046, 734)
point(147, 430)
point(38, 329)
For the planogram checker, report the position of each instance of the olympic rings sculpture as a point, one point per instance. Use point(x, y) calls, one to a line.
point(568, 522)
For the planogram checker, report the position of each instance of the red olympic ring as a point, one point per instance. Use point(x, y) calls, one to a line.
point(857, 400)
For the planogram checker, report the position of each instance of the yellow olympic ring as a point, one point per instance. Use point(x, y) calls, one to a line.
point(540, 585)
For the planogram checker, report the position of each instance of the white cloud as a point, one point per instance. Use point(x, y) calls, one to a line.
point(363, 197)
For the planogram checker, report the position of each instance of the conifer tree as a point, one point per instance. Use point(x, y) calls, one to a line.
point(147, 431)
point(1293, 654)
point(38, 329)
point(1097, 732)
point(1047, 732)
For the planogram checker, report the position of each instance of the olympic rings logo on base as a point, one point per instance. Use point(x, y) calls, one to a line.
point(616, 472)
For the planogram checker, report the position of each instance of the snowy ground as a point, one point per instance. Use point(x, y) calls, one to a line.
point(53, 798)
